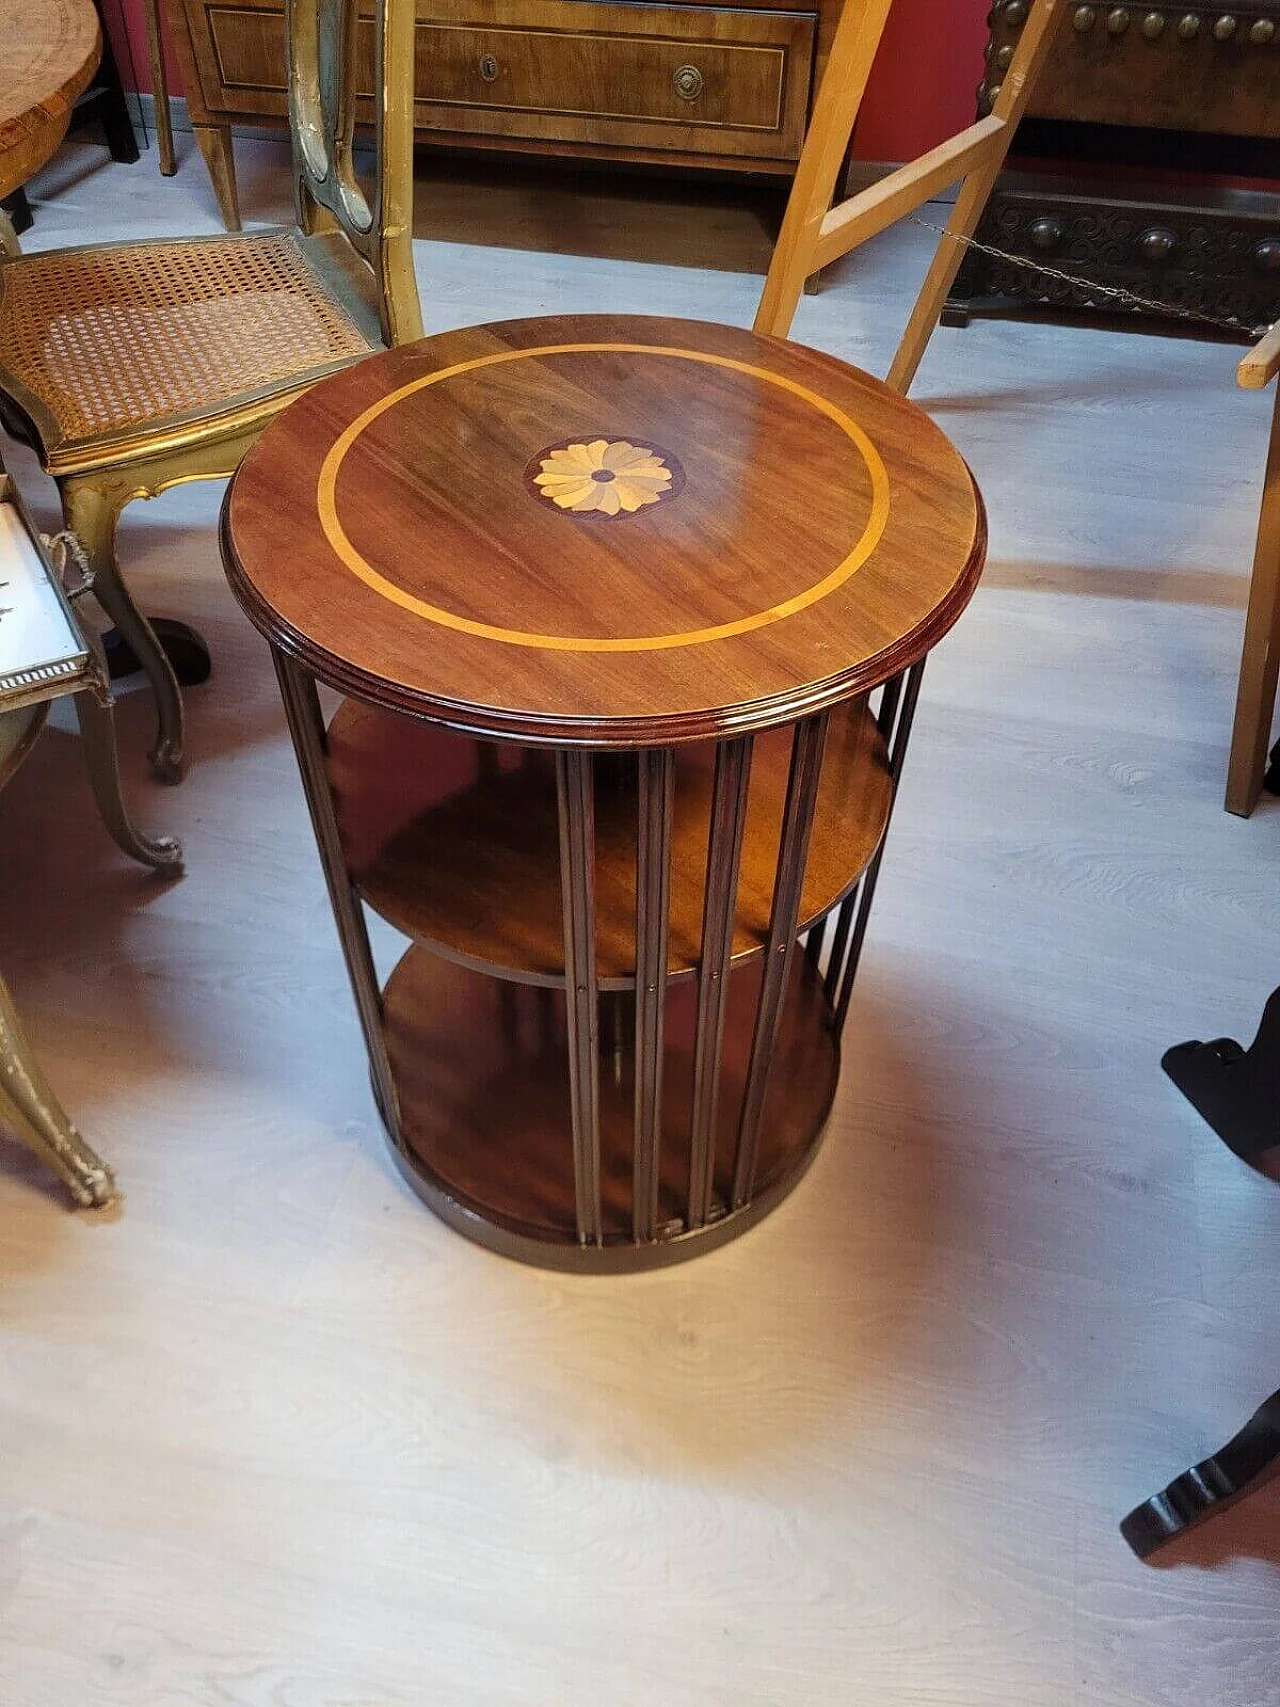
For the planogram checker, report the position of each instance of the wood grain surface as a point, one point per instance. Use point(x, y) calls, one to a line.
point(456, 842)
point(821, 534)
point(48, 52)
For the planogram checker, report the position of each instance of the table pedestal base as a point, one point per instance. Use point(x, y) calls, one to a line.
point(485, 1136)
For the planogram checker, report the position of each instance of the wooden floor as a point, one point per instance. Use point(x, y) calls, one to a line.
point(275, 1438)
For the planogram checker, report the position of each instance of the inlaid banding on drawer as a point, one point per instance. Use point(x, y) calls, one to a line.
point(742, 84)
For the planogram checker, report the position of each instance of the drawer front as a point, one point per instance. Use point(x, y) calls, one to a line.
point(684, 79)
point(678, 77)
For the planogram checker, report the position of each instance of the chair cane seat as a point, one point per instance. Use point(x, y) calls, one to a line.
point(96, 343)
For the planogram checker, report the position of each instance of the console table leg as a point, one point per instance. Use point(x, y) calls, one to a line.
point(214, 143)
point(306, 726)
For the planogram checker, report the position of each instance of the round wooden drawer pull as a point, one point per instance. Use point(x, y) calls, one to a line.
point(489, 68)
point(687, 82)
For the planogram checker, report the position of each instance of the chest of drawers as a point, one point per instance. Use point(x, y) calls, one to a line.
point(727, 87)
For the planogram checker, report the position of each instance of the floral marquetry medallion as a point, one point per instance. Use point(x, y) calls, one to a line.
point(606, 477)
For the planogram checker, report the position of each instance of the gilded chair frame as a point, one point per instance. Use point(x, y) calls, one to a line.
point(322, 59)
point(357, 247)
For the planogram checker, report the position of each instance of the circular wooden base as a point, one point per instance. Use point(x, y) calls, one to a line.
point(482, 1076)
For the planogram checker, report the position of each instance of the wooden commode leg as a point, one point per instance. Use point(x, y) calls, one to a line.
point(214, 141)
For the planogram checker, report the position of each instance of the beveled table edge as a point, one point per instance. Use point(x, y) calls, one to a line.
point(607, 733)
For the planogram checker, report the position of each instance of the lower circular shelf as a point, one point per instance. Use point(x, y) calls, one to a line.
point(482, 1076)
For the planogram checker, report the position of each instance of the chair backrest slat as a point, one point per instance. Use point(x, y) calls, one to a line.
point(325, 42)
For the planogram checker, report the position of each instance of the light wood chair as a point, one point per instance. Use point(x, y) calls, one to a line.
point(1260, 660)
point(814, 233)
point(135, 366)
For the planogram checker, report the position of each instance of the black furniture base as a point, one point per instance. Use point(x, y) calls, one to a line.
point(1212, 252)
point(19, 210)
point(104, 104)
point(1209, 1487)
point(1237, 1090)
point(186, 651)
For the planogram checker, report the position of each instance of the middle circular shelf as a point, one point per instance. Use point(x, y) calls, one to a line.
point(455, 841)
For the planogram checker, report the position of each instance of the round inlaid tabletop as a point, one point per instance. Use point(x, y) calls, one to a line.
point(604, 530)
point(49, 51)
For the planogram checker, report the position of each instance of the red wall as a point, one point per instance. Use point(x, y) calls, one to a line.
point(922, 90)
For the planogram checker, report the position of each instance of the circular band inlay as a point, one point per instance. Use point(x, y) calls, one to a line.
point(359, 565)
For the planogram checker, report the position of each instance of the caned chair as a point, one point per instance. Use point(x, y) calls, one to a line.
point(134, 366)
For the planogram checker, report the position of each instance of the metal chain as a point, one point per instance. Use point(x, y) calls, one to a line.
point(1117, 293)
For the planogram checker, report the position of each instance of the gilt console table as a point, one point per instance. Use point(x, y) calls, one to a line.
point(609, 599)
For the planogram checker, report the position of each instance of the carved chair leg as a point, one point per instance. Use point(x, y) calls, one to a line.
point(214, 141)
point(98, 734)
point(91, 512)
point(28, 1105)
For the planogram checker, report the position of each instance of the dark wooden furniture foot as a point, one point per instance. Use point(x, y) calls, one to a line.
point(1237, 1090)
point(19, 210)
point(1209, 1487)
point(104, 103)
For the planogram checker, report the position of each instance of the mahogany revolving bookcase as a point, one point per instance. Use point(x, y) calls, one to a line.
point(630, 615)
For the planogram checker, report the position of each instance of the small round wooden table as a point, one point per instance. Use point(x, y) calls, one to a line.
point(49, 51)
point(607, 598)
